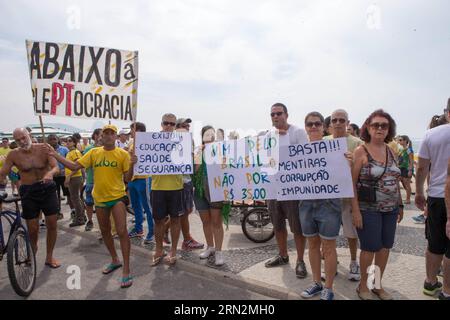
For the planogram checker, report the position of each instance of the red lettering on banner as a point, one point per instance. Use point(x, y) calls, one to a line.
point(68, 88)
point(57, 96)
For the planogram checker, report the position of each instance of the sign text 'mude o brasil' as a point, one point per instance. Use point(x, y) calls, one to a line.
point(242, 169)
point(83, 81)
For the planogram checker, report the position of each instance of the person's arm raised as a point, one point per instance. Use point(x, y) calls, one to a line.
point(73, 166)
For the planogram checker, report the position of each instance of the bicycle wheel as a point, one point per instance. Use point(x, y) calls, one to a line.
point(21, 263)
point(257, 225)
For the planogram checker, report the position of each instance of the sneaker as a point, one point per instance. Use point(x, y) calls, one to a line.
point(191, 244)
point(312, 291)
point(149, 239)
point(277, 261)
point(210, 251)
point(326, 294)
point(89, 226)
point(354, 273)
point(219, 261)
point(420, 219)
point(431, 289)
point(443, 296)
point(59, 216)
point(300, 270)
point(135, 234)
point(76, 224)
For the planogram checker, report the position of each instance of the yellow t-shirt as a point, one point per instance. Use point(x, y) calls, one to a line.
point(3, 153)
point(73, 155)
point(167, 182)
point(109, 168)
point(352, 142)
point(135, 177)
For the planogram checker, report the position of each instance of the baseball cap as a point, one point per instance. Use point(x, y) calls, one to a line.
point(111, 127)
point(183, 120)
point(124, 131)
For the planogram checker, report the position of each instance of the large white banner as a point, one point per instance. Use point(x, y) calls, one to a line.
point(242, 169)
point(82, 81)
point(315, 170)
point(163, 153)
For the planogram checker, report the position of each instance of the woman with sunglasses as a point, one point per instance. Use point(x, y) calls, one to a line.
point(74, 181)
point(377, 206)
point(210, 212)
point(320, 221)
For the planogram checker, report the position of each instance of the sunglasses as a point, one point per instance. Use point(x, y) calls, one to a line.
point(316, 124)
point(273, 114)
point(377, 125)
point(167, 123)
point(341, 120)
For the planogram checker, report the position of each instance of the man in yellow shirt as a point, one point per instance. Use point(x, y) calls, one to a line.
point(110, 165)
point(339, 124)
point(167, 201)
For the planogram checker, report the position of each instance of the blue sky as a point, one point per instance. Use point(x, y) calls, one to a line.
point(226, 62)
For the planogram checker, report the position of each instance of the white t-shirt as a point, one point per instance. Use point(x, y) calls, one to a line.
point(294, 135)
point(122, 145)
point(436, 148)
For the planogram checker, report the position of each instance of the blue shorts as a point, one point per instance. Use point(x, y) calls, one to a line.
point(321, 218)
point(378, 230)
point(88, 200)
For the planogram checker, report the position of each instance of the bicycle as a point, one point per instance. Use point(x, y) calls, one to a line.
point(256, 223)
point(21, 261)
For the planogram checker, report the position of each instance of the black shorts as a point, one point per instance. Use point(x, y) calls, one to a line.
point(59, 180)
point(404, 172)
point(438, 243)
point(167, 203)
point(38, 197)
point(188, 196)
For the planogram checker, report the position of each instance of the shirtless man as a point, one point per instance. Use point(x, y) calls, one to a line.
point(38, 190)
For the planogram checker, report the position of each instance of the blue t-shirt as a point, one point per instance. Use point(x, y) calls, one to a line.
point(63, 151)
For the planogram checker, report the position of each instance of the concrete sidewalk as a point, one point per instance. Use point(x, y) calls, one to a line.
point(245, 261)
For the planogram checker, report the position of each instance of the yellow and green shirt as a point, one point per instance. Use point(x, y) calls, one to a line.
point(109, 168)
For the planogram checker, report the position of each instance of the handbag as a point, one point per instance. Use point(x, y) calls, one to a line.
point(368, 192)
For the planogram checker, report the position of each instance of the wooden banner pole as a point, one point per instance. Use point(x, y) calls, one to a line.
point(42, 129)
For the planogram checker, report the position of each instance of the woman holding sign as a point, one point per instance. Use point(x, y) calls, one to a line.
point(210, 212)
point(378, 205)
point(320, 220)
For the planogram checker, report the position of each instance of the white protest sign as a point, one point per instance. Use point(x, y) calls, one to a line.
point(315, 170)
point(163, 153)
point(242, 169)
point(82, 81)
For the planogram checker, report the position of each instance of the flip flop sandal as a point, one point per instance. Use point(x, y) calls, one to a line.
point(126, 282)
point(110, 268)
point(157, 260)
point(53, 265)
point(171, 260)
